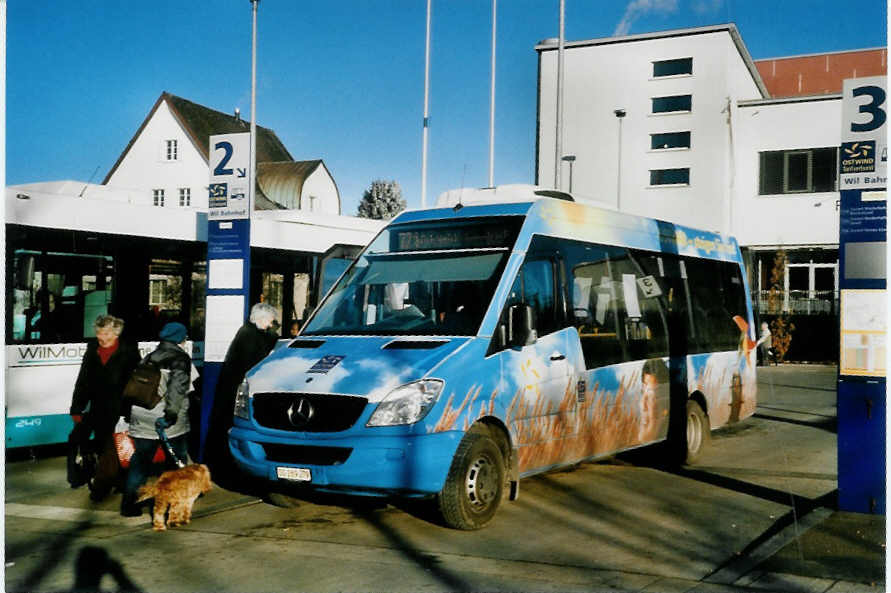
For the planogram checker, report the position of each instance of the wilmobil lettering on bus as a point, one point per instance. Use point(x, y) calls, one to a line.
point(48, 354)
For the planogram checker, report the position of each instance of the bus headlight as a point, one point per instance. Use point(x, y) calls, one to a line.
point(406, 404)
point(242, 398)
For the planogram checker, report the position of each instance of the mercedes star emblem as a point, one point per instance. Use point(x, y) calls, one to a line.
point(300, 412)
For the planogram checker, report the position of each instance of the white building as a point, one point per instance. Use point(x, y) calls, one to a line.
point(165, 163)
point(685, 126)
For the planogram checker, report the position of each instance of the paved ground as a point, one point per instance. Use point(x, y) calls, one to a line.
point(756, 515)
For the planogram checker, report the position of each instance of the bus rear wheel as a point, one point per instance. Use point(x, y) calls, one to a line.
point(698, 432)
point(475, 484)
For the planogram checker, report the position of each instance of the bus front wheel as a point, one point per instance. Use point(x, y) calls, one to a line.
point(474, 486)
point(698, 432)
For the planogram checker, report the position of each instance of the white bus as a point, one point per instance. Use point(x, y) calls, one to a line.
point(70, 259)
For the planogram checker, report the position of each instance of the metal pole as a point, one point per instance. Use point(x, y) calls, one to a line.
point(620, 115)
point(426, 113)
point(251, 189)
point(492, 103)
point(619, 171)
point(558, 145)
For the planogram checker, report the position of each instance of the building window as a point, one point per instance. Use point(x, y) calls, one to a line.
point(185, 196)
point(672, 104)
point(158, 197)
point(172, 153)
point(670, 140)
point(670, 176)
point(806, 170)
point(673, 67)
point(158, 292)
point(808, 286)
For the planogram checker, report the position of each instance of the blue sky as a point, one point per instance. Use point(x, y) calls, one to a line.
point(343, 81)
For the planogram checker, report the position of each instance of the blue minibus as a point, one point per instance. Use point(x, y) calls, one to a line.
point(508, 333)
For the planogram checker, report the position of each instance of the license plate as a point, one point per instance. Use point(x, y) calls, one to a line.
point(296, 474)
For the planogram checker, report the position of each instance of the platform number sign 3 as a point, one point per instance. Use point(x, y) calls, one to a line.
point(873, 109)
point(863, 154)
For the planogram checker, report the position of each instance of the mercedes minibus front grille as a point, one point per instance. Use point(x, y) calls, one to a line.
point(307, 412)
point(306, 454)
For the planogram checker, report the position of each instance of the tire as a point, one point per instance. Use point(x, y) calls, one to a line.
point(475, 484)
point(698, 432)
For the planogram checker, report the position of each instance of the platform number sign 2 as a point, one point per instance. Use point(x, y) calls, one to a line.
point(229, 168)
point(221, 169)
point(873, 109)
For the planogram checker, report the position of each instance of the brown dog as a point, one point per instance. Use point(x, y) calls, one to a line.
point(177, 489)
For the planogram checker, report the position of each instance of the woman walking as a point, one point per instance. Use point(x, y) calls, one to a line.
point(96, 402)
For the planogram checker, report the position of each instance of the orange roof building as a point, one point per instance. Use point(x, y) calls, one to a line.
point(820, 74)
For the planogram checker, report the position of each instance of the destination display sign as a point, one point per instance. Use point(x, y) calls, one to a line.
point(491, 234)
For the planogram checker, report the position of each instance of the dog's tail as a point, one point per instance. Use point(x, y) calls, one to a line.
point(146, 492)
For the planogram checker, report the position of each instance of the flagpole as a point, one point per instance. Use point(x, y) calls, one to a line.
point(251, 188)
point(492, 102)
point(558, 145)
point(426, 113)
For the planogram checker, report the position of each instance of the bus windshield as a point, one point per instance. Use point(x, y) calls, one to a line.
point(420, 279)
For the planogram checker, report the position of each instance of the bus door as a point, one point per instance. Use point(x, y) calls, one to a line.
point(536, 371)
point(621, 327)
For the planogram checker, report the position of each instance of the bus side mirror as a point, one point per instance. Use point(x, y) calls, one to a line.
point(521, 330)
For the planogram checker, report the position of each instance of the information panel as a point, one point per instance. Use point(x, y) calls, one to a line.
point(864, 325)
point(863, 229)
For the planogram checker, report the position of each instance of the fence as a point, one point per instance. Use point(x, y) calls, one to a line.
point(815, 316)
point(800, 302)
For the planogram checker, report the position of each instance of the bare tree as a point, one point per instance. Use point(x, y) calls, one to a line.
point(781, 327)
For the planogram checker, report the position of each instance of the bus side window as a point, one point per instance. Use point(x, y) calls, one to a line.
point(57, 296)
point(715, 300)
point(596, 303)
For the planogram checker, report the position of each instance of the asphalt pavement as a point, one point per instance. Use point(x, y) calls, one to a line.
point(758, 513)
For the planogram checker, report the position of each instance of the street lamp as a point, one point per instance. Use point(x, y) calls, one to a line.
point(620, 115)
point(569, 158)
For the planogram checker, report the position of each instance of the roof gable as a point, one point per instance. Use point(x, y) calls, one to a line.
point(200, 123)
point(282, 182)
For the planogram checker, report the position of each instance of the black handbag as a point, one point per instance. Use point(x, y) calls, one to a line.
point(81, 457)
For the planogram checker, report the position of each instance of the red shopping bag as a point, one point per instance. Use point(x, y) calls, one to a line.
point(123, 443)
point(125, 448)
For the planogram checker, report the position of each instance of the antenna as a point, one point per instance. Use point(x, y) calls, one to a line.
point(459, 205)
point(81, 194)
